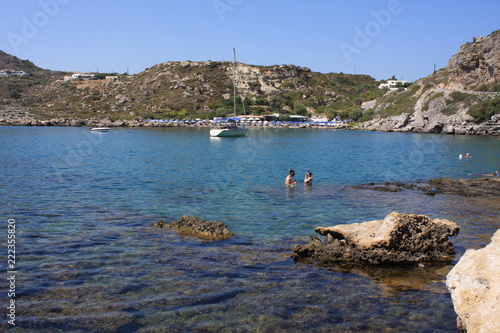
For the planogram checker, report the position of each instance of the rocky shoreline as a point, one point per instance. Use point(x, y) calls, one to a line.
point(483, 186)
point(490, 128)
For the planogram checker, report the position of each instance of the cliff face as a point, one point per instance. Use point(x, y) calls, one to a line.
point(463, 98)
point(475, 64)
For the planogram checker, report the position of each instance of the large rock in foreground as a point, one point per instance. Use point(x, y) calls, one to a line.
point(398, 238)
point(193, 226)
point(474, 284)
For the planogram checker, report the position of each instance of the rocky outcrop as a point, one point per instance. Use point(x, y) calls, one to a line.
point(444, 101)
point(474, 284)
point(484, 186)
point(476, 63)
point(398, 238)
point(193, 226)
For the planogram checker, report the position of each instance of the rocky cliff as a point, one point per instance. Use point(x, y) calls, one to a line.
point(475, 64)
point(463, 98)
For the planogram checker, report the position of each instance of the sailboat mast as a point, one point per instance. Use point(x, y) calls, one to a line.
point(234, 80)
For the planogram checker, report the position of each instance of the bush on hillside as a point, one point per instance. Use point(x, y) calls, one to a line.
point(483, 111)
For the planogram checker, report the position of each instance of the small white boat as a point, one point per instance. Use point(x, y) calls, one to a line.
point(99, 129)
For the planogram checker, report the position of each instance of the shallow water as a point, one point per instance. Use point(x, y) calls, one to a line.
point(89, 260)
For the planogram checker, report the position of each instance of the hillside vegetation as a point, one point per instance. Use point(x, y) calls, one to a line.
point(184, 89)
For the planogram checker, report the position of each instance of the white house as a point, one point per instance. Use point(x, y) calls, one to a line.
point(83, 76)
point(392, 84)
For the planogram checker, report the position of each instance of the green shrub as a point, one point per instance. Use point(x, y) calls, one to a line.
point(457, 97)
point(483, 111)
point(355, 114)
point(367, 115)
point(449, 111)
point(493, 87)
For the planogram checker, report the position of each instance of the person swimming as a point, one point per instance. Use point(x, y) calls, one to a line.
point(289, 179)
point(308, 179)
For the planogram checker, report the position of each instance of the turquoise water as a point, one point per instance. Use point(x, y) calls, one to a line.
point(89, 260)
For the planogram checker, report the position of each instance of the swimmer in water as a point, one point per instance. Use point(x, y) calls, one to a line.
point(308, 179)
point(289, 179)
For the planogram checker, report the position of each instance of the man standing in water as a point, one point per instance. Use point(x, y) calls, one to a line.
point(289, 179)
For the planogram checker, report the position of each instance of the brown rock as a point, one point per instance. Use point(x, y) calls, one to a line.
point(474, 284)
point(193, 226)
point(399, 238)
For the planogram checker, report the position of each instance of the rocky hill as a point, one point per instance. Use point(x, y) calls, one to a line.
point(184, 89)
point(463, 98)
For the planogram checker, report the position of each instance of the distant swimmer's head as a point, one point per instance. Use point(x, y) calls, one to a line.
point(291, 172)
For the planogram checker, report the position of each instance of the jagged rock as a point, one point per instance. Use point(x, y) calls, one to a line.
point(398, 238)
point(476, 63)
point(193, 226)
point(474, 284)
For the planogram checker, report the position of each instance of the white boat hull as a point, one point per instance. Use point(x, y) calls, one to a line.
point(228, 132)
point(100, 129)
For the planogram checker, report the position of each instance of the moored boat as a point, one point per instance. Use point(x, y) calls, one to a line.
point(99, 129)
point(230, 128)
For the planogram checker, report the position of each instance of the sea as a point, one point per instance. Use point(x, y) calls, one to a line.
point(81, 206)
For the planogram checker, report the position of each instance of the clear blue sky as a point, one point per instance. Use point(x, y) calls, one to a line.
point(379, 38)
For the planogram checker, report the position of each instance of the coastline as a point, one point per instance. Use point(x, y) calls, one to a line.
point(490, 128)
point(139, 122)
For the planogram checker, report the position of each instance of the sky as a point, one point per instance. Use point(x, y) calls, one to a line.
point(380, 38)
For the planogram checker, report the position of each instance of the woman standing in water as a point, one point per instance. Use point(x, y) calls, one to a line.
point(289, 179)
point(308, 179)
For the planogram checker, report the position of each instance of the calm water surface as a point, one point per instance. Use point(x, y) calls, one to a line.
point(89, 260)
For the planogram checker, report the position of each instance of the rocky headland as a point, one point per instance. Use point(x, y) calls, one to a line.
point(462, 98)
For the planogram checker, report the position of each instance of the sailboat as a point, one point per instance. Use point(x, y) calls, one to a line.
point(230, 127)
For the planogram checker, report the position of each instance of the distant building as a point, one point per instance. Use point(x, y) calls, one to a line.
point(10, 72)
point(392, 84)
point(83, 76)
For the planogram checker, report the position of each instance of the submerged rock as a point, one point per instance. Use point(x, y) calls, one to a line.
point(193, 226)
point(474, 284)
point(398, 238)
point(475, 187)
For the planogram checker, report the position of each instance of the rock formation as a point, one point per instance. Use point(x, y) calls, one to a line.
point(483, 187)
point(447, 101)
point(474, 284)
point(398, 238)
point(193, 226)
point(475, 63)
